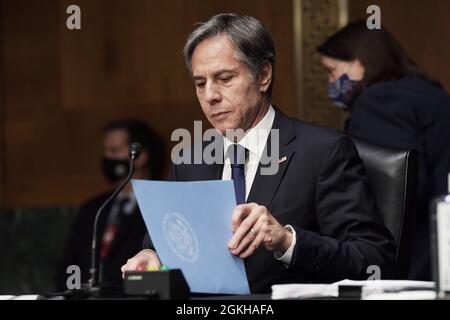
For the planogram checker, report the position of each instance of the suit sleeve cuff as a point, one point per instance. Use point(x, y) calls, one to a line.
point(286, 258)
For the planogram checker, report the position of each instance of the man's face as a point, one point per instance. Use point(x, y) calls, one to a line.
point(228, 95)
point(115, 144)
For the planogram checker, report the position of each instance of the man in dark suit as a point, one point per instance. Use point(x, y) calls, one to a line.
point(313, 219)
point(120, 227)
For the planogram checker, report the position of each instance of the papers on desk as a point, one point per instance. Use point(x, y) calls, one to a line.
point(403, 295)
point(304, 291)
point(190, 226)
point(21, 297)
point(371, 289)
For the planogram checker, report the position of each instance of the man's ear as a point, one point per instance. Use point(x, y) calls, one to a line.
point(265, 77)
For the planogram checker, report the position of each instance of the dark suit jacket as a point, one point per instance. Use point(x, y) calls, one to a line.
point(322, 191)
point(410, 113)
point(127, 242)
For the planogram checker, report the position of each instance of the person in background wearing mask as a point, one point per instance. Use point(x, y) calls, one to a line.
point(121, 227)
point(393, 103)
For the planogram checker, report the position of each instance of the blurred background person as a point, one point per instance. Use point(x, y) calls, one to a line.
point(394, 103)
point(120, 227)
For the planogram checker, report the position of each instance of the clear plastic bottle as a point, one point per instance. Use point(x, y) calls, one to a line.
point(440, 242)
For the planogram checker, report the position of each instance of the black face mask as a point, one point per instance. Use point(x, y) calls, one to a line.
point(115, 169)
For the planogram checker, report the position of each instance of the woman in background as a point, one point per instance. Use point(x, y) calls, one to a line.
point(393, 103)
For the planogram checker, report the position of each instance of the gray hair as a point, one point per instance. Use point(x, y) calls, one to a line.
point(253, 42)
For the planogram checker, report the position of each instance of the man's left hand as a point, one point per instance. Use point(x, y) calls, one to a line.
point(254, 225)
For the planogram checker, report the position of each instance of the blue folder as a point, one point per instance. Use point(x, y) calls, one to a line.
point(190, 226)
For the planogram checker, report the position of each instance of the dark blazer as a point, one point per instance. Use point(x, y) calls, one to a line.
point(410, 113)
point(322, 191)
point(127, 242)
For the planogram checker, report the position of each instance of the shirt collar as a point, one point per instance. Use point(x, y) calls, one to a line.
point(255, 139)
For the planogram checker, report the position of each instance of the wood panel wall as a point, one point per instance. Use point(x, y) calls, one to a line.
point(60, 87)
point(421, 26)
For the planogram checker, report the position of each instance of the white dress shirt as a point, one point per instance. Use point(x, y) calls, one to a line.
point(254, 141)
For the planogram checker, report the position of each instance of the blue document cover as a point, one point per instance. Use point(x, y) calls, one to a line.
point(190, 226)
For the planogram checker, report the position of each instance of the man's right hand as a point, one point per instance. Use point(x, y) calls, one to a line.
point(140, 262)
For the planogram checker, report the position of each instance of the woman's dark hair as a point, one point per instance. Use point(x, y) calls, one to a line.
point(381, 55)
point(139, 131)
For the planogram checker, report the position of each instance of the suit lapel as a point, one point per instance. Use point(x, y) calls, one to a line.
point(212, 171)
point(264, 187)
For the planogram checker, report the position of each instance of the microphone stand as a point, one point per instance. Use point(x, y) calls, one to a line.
point(94, 285)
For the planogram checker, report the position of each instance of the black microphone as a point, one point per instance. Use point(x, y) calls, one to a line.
point(134, 152)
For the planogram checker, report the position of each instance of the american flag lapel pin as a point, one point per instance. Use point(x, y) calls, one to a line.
point(283, 159)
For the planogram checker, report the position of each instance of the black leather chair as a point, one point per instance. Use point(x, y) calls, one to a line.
point(393, 175)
